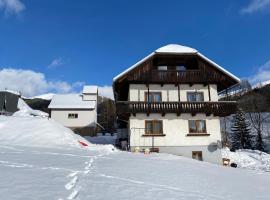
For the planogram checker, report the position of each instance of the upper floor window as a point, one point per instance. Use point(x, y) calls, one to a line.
point(162, 68)
point(195, 96)
point(197, 126)
point(180, 68)
point(152, 97)
point(153, 127)
point(72, 115)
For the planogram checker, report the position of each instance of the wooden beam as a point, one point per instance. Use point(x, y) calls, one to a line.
point(209, 94)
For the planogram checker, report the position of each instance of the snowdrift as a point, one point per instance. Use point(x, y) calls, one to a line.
point(25, 110)
point(248, 159)
point(36, 131)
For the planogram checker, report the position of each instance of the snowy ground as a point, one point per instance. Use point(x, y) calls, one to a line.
point(39, 159)
point(249, 159)
point(45, 173)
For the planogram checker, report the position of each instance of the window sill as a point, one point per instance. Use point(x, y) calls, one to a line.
point(153, 135)
point(198, 134)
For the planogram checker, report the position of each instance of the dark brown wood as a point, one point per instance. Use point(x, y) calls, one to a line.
point(178, 87)
point(198, 134)
point(222, 108)
point(153, 135)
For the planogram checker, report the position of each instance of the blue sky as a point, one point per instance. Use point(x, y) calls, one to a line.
point(65, 43)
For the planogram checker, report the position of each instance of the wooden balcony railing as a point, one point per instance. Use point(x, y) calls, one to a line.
point(173, 76)
point(223, 108)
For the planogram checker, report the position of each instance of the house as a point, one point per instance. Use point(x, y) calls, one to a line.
point(76, 111)
point(169, 103)
point(8, 102)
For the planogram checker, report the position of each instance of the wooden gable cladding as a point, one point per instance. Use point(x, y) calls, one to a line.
point(198, 71)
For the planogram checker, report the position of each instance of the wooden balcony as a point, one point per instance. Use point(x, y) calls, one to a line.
point(173, 76)
point(223, 108)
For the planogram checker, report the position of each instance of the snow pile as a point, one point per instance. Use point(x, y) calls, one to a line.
point(36, 131)
point(248, 159)
point(102, 139)
point(25, 110)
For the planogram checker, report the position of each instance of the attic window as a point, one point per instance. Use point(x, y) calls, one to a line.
point(162, 68)
point(181, 68)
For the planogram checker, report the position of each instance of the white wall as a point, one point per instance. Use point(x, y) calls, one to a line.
point(89, 97)
point(170, 91)
point(176, 128)
point(85, 117)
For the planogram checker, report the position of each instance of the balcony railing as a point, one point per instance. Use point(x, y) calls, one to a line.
point(223, 108)
point(173, 76)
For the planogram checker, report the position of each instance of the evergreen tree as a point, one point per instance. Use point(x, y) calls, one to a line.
point(241, 137)
point(259, 142)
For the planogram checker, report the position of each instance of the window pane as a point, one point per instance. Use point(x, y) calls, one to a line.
point(148, 128)
point(157, 97)
point(199, 96)
point(157, 127)
point(191, 97)
point(192, 126)
point(201, 128)
point(180, 68)
point(162, 68)
point(195, 96)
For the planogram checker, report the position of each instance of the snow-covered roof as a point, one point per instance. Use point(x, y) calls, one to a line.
point(175, 48)
point(90, 89)
point(180, 50)
point(70, 101)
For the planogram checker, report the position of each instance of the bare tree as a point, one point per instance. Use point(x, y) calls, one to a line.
point(257, 118)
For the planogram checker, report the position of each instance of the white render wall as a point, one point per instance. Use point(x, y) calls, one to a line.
point(170, 91)
point(175, 128)
point(89, 97)
point(85, 118)
point(176, 140)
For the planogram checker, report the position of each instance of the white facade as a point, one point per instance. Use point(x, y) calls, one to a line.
point(76, 110)
point(85, 117)
point(176, 138)
point(170, 91)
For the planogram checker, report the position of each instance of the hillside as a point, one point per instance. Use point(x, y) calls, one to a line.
point(253, 100)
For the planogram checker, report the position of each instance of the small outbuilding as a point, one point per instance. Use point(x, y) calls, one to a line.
point(76, 111)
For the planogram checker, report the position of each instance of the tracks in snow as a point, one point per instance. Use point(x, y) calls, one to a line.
point(73, 184)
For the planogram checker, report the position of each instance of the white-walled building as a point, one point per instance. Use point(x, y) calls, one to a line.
point(76, 110)
point(169, 100)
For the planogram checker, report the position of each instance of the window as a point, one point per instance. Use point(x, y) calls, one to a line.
point(153, 97)
point(72, 115)
point(195, 96)
point(197, 126)
point(153, 127)
point(162, 68)
point(180, 68)
point(197, 155)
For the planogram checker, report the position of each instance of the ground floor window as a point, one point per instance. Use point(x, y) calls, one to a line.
point(72, 115)
point(197, 126)
point(197, 155)
point(153, 127)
